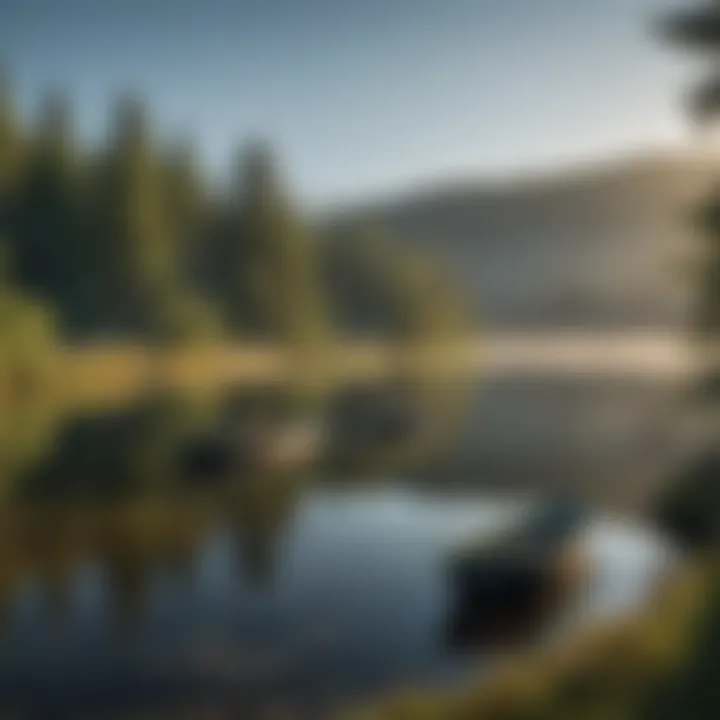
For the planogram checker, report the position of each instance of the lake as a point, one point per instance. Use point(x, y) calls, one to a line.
point(124, 589)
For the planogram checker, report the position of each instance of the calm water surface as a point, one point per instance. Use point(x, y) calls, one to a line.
point(355, 600)
point(306, 593)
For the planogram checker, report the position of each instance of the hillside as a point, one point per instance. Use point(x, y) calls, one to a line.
point(604, 247)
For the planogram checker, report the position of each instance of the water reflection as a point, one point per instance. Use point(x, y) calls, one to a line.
point(118, 489)
point(130, 580)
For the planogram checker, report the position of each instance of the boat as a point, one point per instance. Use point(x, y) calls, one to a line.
point(525, 561)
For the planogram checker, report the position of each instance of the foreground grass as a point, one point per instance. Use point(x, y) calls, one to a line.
point(608, 672)
point(694, 692)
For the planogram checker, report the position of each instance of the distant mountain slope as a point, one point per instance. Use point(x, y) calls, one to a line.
point(602, 248)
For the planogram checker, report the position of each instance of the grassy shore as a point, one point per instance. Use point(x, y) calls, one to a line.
point(113, 369)
point(104, 375)
point(607, 672)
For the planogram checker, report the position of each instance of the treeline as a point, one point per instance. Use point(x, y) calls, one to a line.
point(129, 242)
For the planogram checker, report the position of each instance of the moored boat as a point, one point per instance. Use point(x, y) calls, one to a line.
point(526, 560)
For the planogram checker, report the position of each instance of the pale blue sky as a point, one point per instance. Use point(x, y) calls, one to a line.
point(364, 96)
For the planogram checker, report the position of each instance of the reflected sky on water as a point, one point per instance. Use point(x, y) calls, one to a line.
point(123, 587)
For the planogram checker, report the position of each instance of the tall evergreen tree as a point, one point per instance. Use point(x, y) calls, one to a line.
point(185, 198)
point(271, 259)
point(49, 222)
point(135, 237)
point(699, 29)
point(136, 257)
point(11, 156)
point(187, 315)
point(693, 506)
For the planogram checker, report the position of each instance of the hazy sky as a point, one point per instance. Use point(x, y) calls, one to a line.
point(361, 96)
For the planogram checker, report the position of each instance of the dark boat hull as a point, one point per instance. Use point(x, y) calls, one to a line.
point(488, 583)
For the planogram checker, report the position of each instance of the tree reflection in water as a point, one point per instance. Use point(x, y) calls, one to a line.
point(111, 489)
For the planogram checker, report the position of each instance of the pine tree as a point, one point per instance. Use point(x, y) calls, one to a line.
point(11, 157)
point(185, 198)
point(140, 254)
point(273, 274)
point(185, 315)
point(699, 30)
point(693, 505)
point(134, 256)
point(49, 221)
